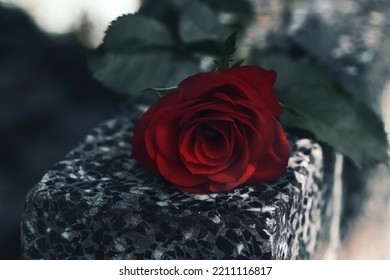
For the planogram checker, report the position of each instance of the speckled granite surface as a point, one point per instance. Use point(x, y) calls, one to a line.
point(98, 204)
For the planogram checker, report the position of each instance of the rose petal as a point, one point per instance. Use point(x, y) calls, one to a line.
point(166, 118)
point(195, 147)
point(167, 140)
point(221, 187)
point(222, 112)
point(204, 164)
point(140, 138)
point(261, 81)
point(218, 146)
point(258, 133)
point(177, 174)
point(236, 167)
point(205, 85)
point(140, 154)
point(187, 144)
point(202, 169)
point(143, 123)
point(273, 164)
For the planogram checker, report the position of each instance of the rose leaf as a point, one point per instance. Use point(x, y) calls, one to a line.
point(334, 116)
point(135, 54)
point(134, 32)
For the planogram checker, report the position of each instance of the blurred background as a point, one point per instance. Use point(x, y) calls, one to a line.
point(49, 100)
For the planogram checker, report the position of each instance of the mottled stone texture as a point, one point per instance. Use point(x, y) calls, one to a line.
point(99, 204)
point(350, 38)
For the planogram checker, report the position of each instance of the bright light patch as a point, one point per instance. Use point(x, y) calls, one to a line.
point(64, 16)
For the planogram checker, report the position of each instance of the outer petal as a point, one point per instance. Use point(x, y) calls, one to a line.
point(261, 81)
point(138, 140)
point(273, 163)
point(206, 84)
point(221, 187)
point(162, 125)
point(167, 140)
point(178, 174)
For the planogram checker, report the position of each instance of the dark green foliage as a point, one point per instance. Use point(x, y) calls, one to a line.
point(334, 116)
point(158, 47)
point(166, 41)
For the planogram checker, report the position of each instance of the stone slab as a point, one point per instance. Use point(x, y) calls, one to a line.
point(99, 204)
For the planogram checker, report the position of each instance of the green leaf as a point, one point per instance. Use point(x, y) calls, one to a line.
point(291, 110)
point(239, 62)
point(181, 68)
point(161, 92)
point(166, 11)
point(131, 33)
point(228, 49)
point(130, 74)
point(198, 22)
point(335, 117)
point(138, 53)
point(229, 46)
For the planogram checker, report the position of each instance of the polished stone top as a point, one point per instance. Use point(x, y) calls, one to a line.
point(99, 204)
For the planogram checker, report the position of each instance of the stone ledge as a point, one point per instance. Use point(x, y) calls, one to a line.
point(98, 204)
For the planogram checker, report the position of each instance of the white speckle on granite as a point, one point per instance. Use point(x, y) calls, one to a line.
point(240, 247)
point(304, 142)
point(202, 197)
point(120, 247)
point(187, 235)
point(162, 203)
point(157, 254)
point(45, 178)
point(104, 149)
point(30, 227)
point(93, 211)
point(213, 195)
point(267, 232)
point(283, 196)
point(90, 139)
point(255, 209)
point(269, 209)
point(65, 235)
point(81, 172)
point(111, 123)
point(119, 244)
point(245, 196)
point(122, 144)
point(301, 178)
point(215, 219)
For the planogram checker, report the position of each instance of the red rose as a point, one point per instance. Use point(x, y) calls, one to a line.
point(217, 131)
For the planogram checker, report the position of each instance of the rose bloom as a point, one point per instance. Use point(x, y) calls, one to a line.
point(217, 131)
